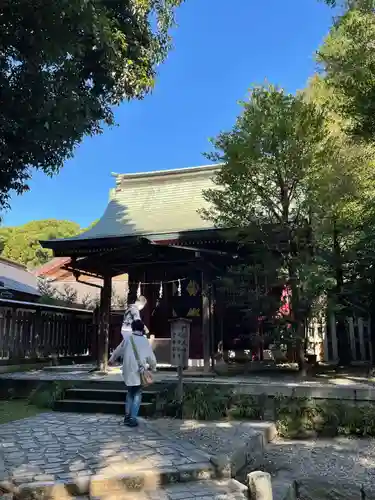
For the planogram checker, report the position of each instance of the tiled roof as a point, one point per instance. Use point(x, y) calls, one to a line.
point(16, 277)
point(154, 203)
point(53, 265)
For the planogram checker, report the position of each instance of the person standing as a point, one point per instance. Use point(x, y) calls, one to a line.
point(133, 313)
point(138, 357)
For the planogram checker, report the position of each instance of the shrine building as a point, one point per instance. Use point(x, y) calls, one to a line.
point(153, 231)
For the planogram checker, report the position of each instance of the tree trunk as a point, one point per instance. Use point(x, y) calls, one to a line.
point(343, 342)
point(300, 349)
point(298, 322)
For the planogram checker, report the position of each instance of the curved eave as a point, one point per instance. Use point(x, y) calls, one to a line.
point(72, 246)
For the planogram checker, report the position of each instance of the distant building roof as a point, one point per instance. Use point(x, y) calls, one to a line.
point(53, 266)
point(154, 203)
point(16, 277)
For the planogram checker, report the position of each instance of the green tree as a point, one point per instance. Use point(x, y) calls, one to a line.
point(272, 159)
point(64, 65)
point(343, 197)
point(351, 4)
point(21, 243)
point(348, 59)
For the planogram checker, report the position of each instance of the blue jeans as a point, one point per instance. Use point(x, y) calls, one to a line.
point(133, 401)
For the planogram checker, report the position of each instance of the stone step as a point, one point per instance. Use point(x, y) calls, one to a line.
point(69, 368)
point(147, 482)
point(216, 489)
point(99, 406)
point(211, 489)
point(108, 384)
point(118, 395)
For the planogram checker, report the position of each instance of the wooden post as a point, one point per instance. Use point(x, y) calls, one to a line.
point(12, 332)
point(105, 313)
point(212, 326)
point(133, 284)
point(206, 324)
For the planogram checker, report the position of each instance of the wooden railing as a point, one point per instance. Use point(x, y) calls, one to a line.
point(37, 331)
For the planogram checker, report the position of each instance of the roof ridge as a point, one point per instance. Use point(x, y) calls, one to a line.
point(168, 172)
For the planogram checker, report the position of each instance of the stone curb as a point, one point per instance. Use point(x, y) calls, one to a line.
point(263, 487)
point(100, 485)
point(250, 454)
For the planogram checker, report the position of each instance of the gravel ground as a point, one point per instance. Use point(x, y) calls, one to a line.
point(339, 466)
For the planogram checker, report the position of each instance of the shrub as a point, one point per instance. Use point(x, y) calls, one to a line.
point(205, 403)
point(298, 417)
point(246, 407)
point(295, 417)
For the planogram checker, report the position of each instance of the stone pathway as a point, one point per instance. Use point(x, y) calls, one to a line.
point(80, 373)
point(70, 448)
point(59, 446)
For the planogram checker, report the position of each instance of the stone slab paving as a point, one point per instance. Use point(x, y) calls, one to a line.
point(62, 446)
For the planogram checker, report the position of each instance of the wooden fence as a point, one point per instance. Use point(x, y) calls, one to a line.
point(323, 341)
point(38, 331)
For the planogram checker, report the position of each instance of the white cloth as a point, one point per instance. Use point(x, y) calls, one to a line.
point(131, 314)
point(130, 367)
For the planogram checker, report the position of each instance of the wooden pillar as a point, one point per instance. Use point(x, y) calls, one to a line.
point(95, 334)
point(212, 326)
point(104, 319)
point(206, 324)
point(134, 279)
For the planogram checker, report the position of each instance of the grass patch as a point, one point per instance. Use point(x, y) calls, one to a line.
point(16, 409)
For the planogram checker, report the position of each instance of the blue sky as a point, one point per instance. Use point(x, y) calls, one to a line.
point(220, 49)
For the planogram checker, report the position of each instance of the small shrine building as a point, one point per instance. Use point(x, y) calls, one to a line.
point(153, 231)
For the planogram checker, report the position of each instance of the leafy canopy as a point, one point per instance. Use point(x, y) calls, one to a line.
point(63, 66)
point(21, 243)
point(348, 59)
point(271, 158)
point(289, 175)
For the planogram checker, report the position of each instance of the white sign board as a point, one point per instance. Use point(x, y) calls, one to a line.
point(180, 340)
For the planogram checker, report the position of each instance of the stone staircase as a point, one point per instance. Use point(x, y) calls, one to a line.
point(105, 397)
point(163, 459)
point(211, 476)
